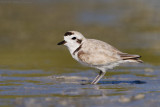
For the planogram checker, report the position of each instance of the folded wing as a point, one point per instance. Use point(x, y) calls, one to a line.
point(95, 52)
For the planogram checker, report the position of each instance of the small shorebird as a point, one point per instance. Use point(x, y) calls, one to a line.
point(95, 53)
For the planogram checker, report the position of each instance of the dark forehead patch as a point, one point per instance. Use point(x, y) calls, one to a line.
point(68, 33)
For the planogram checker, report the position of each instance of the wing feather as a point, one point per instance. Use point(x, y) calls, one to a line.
point(95, 52)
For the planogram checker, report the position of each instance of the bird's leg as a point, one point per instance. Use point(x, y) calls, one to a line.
point(98, 77)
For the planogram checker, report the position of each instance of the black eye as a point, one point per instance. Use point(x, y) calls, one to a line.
point(73, 38)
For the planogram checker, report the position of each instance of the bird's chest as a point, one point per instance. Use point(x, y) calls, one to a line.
point(75, 56)
point(74, 52)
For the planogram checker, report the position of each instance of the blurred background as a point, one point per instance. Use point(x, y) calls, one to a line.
point(31, 29)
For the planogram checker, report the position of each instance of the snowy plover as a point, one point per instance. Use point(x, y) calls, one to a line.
point(95, 53)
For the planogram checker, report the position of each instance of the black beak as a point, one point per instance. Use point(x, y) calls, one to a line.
point(61, 43)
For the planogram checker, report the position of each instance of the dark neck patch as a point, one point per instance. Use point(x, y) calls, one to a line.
point(77, 49)
point(79, 41)
point(68, 33)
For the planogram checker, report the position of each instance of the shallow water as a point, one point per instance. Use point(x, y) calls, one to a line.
point(130, 85)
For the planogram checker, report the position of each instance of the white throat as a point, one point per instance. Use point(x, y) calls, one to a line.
point(73, 47)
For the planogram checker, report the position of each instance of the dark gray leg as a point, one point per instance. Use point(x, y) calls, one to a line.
point(98, 77)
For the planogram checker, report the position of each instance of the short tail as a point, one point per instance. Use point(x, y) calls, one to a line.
point(131, 58)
